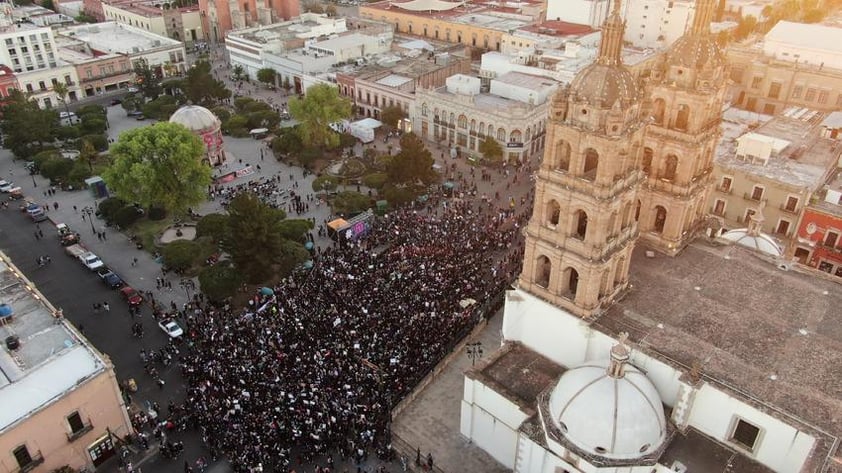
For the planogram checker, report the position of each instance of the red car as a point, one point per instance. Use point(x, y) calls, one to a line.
point(132, 297)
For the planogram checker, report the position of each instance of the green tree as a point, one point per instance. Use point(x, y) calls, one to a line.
point(295, 229)
point(324, 183)
point(88, 154)
point(330, 10)
point(60, 88)
point(286, 84)
point(200, 87)
point(181, 255)
point(238, 73)
point(316, 111)
point(133, 103)
point(56, 168)
point(349, 202)
point(161, 108)
point(267, 75)
point(254, 239)
point(314, 7)
point(287, 142)
point(26, 127)
point(159, 166)
point(213, 226)
point(48, 4)
point(491, 149)
point(745, 27)
point(391, 115)
point(413, 163)
point(148, 80)
point(220, 281)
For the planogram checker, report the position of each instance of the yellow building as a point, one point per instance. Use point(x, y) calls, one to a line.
point(62, 404)
point(475, 24)
point(182, 24)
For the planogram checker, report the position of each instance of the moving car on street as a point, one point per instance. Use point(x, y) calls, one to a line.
point(131, 296)
point(171, 328)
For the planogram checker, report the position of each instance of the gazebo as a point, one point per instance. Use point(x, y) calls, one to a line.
point(204, 124)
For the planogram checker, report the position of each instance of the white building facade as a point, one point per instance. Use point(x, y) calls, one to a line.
point(657, 23)
point(583, 12)
point(807, 44)
point(40, 84)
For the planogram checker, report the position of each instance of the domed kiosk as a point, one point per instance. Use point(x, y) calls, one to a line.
point(607, 411)
point(204, 124)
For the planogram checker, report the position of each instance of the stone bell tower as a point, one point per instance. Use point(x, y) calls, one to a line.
point(686, 107)
point(583, 228)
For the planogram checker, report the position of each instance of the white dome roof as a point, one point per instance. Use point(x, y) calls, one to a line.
point(195, 118)
point(613, 417)
point(760, 242)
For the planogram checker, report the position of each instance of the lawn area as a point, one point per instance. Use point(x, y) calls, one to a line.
point(147, 230)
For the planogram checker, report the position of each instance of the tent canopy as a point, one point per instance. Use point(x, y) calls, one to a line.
point(335, 225)
point(368, 123)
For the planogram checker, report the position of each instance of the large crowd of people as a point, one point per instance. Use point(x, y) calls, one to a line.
point(313, 368)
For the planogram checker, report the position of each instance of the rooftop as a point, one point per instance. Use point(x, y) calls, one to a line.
point(492, 15)
point(809, 36)
point(758, 330)
point(51, 360)
point(527, 81)
point(113, 37)
point(394, 80)
point(298, 28)
point(492, 103)
point(558, 28)
point(803, 162)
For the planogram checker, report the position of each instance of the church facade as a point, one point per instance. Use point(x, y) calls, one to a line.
point(599, 372)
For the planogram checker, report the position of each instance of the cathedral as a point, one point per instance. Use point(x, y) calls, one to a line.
point(629, 344)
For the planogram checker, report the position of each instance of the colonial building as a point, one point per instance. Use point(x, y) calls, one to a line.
point(179, 23)
point(513, 112)
point(782, 163)
point(686, 95)
point(797, 65)
point(62, 405)
point(616, 360)
point(98, 73)
point(221, 16)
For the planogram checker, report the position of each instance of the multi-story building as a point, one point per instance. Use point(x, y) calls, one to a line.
point(375, 87)
point(819, 242)
point(62, 404)
point(796, 65)
point(221, 16)
point(474, 24)
point(618, 360)
point(179, 23)
point(8, 82)
point(686, 95)
point(40, 84)
point(781, 164)
point(165, 55)
point(513, 112)
point(97, 73)
point(581, 12)
point(27, 47)
point(657, 23)
point(40, 16)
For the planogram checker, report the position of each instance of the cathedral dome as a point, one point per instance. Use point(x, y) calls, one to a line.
point(195, 118)
point(695, 51)
point(759, 242)
point(604, 85)
point(609, 408)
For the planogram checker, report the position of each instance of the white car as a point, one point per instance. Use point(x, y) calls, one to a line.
point(6, 186)
point(66, 115)
point(171, 328)
point(133, 90)
point(91, 261)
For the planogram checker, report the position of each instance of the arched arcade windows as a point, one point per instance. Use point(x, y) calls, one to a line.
point(658, 110)
point(580, 222)
point(660, 219)
point(543, 269)
point(648, 154)
point(553, 213)
point(501, 134)
point(682, 118)
point(463, 121)
point(562, 156)
point(670, 167)
point(591, 163)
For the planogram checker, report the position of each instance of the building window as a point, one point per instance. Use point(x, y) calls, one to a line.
point(75, 422)
point(791, 204)
point(737, 75)
point(810, 95)
point(769, 109)
point(797, 91)
point(463, 121)
point(823, 96)
point(756, 81)
point(774, 90)
point(830, 239)
point(424, 110)
point(9, 42)
point(501, 134)
point(67, 80)
point(29, 87)
point(725, 186)
point(719, 207)
point(42, 85)
point(25, 460)
point(745, 434)
point(757, 193)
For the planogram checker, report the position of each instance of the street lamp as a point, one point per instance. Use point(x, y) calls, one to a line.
point(474, 351)
point(34, 184)
point(89, 212)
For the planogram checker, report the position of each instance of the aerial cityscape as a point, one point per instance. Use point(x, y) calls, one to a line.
point(317, 236)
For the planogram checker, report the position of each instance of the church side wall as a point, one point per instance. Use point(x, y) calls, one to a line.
point(779, 446)
point(490, 421)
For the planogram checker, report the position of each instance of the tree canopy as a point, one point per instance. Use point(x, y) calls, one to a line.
point(148, 80)
point(256, 239)
point(413, 163)
point(25, 124)
point(200, 87)
point(316, 111)
point(491, 149)
point(159, 166)
point(267, 75)
point(391, 115)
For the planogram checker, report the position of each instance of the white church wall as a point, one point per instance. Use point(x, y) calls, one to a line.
point(663, 376)
point(485, 431)
point(778, 446)
point(545, 328)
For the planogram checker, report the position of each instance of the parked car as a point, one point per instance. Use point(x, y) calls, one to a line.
point(171, 328)
point(6, 186)
point(38, 215)
point(135, 113)
point(75, 251)
point(110, 278)
point(133, 90)
point(132, 297)
point(91, 261)
point(66, 235)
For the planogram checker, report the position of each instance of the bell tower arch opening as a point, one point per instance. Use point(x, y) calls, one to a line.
point(580, 225)
point(591, 164)
point(553, 213)
point(660, 219)
point(543, 270)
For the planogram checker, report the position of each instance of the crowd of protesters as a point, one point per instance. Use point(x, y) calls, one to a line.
point(312, 369)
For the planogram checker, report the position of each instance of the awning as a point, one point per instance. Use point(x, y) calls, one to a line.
point(335, 225)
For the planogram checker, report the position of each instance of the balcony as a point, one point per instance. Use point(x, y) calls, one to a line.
point(73, 436)
point(34, 462)
point(789, 209)
point(724, 190)
point(750, 196)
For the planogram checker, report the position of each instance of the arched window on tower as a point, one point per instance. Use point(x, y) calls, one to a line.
point(553, 213)
point(562, 160)
point(648, 154)
point(637, 212)
point(452, 119)
point(591, 163)
point(660, 219)
point(682, 118)
point(580, 220)
point(571, 280)
point(618, 272)
point(670, 167)
point(543, 269)
point(658, 110)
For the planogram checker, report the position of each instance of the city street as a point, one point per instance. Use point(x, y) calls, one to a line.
point(73, 288)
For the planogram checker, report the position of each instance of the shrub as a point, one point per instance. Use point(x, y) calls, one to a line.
point(398, 196)
point(287, 142)
point(236, 126)
point(157, 213)
point(309, 156)
point(99, 141)
point(65, 133)
point(375, 180)
point(108, 208)
point(222, 113)
point(126, 216)
point(92, 110)
point(349, 202)
point(220, 281)
point(56, 168)
point(212, 225)
point(325, 183)
point(92, 125)
point(347, 140)
point(181, 255)
point(42, 157)
point(76, 177)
